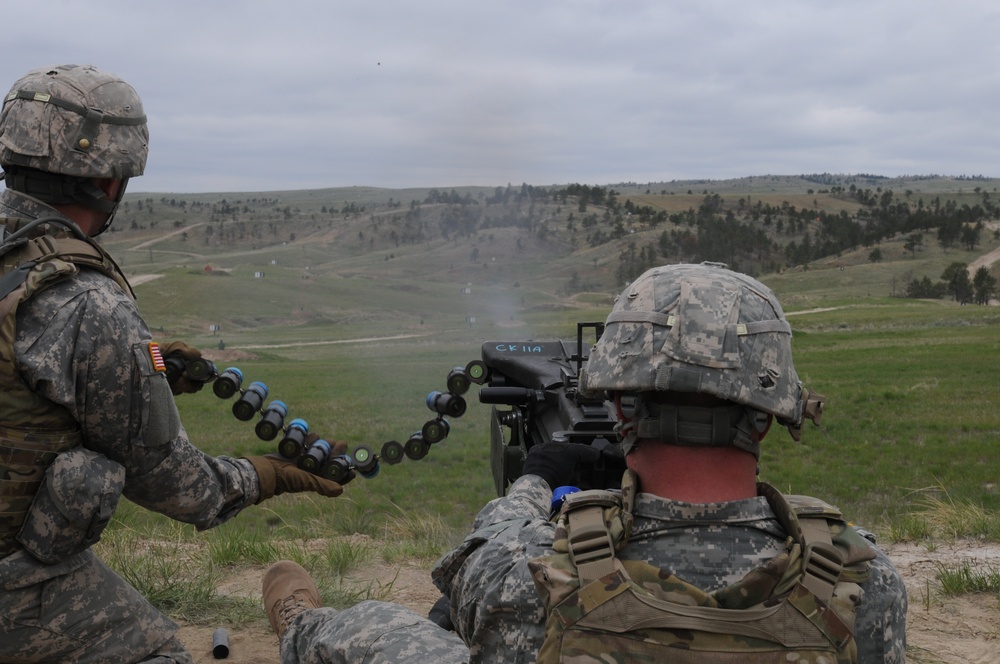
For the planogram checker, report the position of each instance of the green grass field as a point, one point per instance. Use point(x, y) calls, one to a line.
point(911, 390)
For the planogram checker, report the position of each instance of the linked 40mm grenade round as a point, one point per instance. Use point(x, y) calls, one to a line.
point(434, 431)
point(316, 456)
point(293, 442)
point(201, 370)
point(228, 383)
point(446, 403)
point(458, 381)
point(250, 401)
point(338, 469)
point(416, 447)
point(366, 461)
point(392, 452)
point(477, 371)
point(271, 420)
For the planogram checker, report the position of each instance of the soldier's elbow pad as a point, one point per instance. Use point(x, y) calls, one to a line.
point(78, 495)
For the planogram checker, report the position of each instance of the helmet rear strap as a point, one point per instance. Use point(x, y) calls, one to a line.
point(690, 426)
point(58, 189)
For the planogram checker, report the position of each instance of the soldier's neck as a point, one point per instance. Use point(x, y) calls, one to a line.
point(694, 474)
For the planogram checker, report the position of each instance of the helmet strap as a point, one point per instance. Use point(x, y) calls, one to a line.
point(689, 426)
point(113, 204)
point(59, 189)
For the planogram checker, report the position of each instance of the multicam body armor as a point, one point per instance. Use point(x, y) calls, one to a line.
point(799, 606)
point(34, 430)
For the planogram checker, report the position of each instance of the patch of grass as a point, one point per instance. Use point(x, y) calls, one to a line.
point(936, 515)
point(343, 555)
point(176, 577)
point(239, 546)
point(417, 535)
point(968, 578)
point(340, 595)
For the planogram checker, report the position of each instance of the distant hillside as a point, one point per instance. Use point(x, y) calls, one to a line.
point(545, 245)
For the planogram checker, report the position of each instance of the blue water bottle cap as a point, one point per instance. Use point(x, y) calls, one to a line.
point(559, 496)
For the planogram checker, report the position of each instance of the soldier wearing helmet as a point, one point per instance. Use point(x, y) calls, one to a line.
point(699, 359)
point(696, 363)
point(86, 414)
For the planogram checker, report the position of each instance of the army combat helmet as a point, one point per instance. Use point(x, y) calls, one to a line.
point(704, 330)
point(62, 126)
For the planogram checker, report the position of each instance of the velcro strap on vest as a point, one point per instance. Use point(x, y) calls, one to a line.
point(822, 566)
point(590, 545)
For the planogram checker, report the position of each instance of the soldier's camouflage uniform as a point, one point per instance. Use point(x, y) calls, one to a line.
point(81, 344)
point(499, 614)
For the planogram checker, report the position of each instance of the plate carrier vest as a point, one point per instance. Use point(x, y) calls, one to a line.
point(798, 607)
point(34, 430)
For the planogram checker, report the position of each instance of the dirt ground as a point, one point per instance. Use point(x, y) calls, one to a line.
point(411, 587)
point(940, 630)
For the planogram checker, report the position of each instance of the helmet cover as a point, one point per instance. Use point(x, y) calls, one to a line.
point(74, 120)
point(702, 329)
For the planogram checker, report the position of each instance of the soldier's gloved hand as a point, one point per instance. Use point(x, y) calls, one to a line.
point(182, 384)
point(279, 475)
point(556, 463)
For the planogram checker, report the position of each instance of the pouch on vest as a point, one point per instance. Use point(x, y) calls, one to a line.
point(74, 504)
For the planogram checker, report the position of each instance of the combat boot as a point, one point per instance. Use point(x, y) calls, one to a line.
point(288, 591)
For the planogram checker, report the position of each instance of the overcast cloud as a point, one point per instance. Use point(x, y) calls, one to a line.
point(258, 96)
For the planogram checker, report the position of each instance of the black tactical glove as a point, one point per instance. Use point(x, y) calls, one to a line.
point(279, 475)
point(556, 463)
point(182, 383)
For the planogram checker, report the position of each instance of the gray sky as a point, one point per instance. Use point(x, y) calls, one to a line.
point(298, 94)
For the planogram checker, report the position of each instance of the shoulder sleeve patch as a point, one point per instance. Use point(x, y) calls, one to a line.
point(156, 356)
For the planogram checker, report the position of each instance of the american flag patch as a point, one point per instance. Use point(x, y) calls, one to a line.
point(156, 356)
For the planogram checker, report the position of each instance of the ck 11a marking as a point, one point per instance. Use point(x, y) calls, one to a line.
point(519, 348)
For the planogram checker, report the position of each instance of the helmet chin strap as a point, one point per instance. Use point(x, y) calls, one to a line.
point(111, 205)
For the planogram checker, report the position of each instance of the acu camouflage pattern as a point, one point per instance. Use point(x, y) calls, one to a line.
point(603, 609)
point(75, 120)
point(73, 506)
point(704, 329)
point(370, 632)
point(81, 346)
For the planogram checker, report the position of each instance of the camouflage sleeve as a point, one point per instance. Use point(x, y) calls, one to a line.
point(495, 607)
point(528, 498)
point(880, 625)
point(83, 345)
